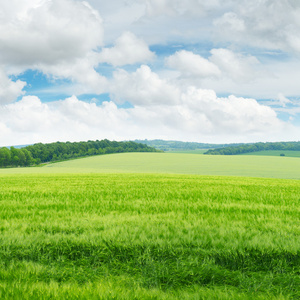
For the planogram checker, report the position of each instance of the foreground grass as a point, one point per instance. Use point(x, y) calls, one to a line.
point(129, 236)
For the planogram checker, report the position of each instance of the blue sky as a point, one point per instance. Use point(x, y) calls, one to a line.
point(191, 70)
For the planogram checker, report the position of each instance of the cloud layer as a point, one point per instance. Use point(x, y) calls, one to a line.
point(190, 70)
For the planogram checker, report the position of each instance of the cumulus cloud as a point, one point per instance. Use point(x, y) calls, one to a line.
point(223, 67)
point(179, 7)
point(58, 37)
point(268, 24)
point(10, 90)
point(231, 114)
point(29, 114)
point(237, 66)
point(48, 31)
point(128, 49)
point(63, 39)
point(200, 114)
point(143, 88)
point(190, 65)
point(81, 72)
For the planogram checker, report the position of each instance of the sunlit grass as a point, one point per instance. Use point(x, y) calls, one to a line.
point(234, 165)
point(138, 236)
point(287, 153)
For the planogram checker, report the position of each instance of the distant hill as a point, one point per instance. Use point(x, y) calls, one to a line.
point(181, 146)
point(255, 147)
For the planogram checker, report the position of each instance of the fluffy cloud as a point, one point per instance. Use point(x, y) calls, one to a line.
point(179, 7)
point(58, 37)
point(269, 24)
point(239, 67)
point(223, 68)
point(190, 65)
point(143, 88)
point(128, 49)
point(9, 90)
point(231, 114)
point(63, 39)
point(199, 115)
point(47, 32)
point(81, 72)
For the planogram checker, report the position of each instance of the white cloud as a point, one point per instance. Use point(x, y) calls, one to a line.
point(264, 24)
point(58, 37)
point(191, 65)
point(200, 115)
point(241, 68)
point(225, 71)
point(29, 114)
point(48, 32)
point(231, 114)
point(143, 88)
point(230, 21)
point(283, 100)
point(81, 72)
point(10, 90)
point(179, 7)
point(63, 39)
point(128, 49)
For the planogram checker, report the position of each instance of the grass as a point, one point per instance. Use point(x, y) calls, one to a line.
point(198, 151)
point(175, 163)
point(107, 227)
point(148, 236)
point(286, 153)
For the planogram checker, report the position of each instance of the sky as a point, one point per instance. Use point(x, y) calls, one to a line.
point(218, 71)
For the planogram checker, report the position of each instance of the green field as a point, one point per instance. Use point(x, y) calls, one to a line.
point(175, 163)
point(107, 227)
point(286, 153)
point(188, 151)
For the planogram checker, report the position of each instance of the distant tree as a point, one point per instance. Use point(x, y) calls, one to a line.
point(246, 148)
point(5, 157)
point(39, 153)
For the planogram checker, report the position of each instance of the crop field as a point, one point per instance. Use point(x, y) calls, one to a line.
point(188, 151)
point(148, 236)
point(175, 163)
point(107, 228)
point(286, 153)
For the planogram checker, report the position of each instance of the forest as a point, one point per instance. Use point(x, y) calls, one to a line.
point(247, 148)
point(58, 151)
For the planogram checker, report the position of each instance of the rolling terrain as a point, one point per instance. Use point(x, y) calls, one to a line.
point(151, 226)
point(176, 163)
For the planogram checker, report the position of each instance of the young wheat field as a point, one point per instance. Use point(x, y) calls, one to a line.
point(148, 236)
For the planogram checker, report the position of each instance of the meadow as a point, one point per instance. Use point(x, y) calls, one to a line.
point(102, 228)
point(287, 153)
point(175, 163)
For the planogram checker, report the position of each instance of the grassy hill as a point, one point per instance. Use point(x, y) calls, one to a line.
point(178, 163)
point(287, 153)
point(125, 226)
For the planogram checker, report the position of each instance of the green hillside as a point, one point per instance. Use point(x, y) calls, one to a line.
point(253, 166)
point(255, 147)
point(181, 146)
point(287, 153)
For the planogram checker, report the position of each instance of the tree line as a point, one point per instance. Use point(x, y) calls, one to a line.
point(247, 148)
point(42, 153)
point(181, 146)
